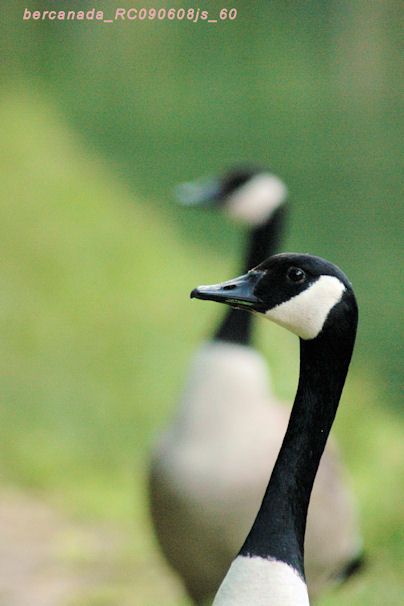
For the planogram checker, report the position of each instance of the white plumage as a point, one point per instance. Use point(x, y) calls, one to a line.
point(305, 314)
point(262, 582)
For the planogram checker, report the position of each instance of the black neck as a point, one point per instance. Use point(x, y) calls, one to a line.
point(263, 242)
point(279, 528)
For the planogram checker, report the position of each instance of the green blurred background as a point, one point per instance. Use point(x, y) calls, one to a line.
point(99, 122)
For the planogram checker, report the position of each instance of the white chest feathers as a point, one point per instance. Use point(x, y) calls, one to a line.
point(255, 581)
point(306, 313)
point(254, 202)
point(224, 382)
point(226, 420)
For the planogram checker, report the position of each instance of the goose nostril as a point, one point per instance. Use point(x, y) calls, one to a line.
point(229, 287)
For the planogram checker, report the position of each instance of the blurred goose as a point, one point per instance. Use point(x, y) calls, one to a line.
point(210, 468)
point(313, 299)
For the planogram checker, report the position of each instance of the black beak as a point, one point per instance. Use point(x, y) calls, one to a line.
point(237, 293)
point(203, 192)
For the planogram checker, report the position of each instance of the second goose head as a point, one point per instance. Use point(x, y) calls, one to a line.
point(249, 195)
point(255, 198)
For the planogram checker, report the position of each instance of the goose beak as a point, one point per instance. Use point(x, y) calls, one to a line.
point(204, 192)
point(238, 293)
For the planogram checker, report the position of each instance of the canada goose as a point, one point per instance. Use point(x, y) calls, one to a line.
point(210, 467)
point(313, 299)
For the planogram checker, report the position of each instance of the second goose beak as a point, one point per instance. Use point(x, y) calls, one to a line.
point(237, 293)
point(204, 192)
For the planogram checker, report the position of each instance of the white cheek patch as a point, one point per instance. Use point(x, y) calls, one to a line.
point(254, 202)
point(305, 314)
point(255, 581)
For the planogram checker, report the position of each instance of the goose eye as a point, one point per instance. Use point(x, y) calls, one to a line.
point(295, 274)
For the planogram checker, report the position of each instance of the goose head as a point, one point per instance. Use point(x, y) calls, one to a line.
point(303, 293)
point(249, 195)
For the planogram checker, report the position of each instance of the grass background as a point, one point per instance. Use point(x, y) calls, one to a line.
point(97, 262)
